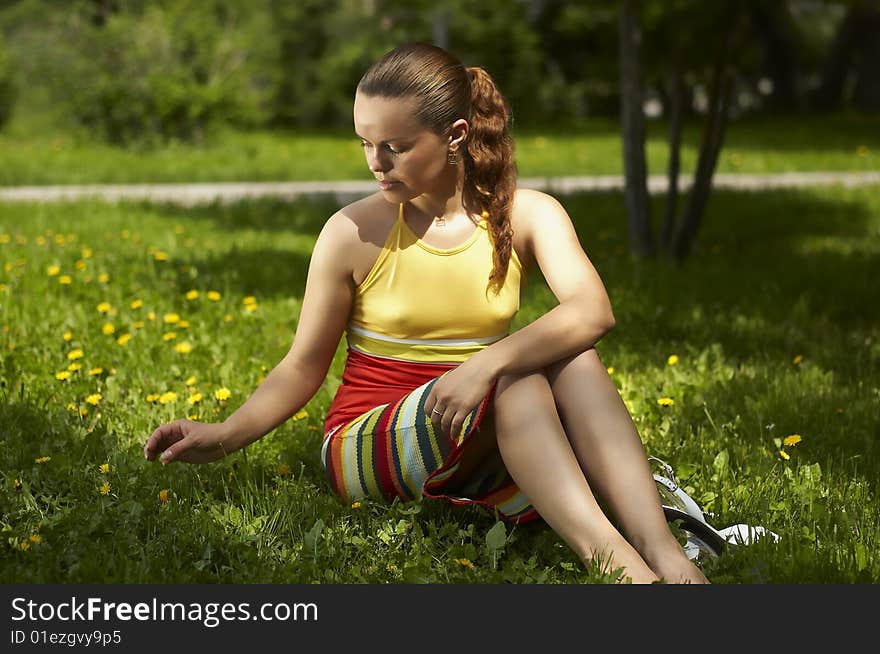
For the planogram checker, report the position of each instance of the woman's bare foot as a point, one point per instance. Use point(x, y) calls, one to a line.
point(672, 565)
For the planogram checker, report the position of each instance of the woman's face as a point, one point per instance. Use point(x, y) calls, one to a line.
point(400, 150)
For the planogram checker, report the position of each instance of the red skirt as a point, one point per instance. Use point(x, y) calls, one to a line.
point(379, 442)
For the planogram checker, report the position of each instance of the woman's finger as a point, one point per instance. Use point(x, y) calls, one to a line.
point(165, 436)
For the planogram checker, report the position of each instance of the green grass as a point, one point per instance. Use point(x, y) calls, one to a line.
point(777, 277)
point(33, 150)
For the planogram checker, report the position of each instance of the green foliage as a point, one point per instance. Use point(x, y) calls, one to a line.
point(7, 84)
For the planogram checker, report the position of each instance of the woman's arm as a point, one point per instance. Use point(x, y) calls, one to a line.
point(293, 382)
point(583, 315)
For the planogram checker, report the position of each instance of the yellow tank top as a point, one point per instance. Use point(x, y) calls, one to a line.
point(425, 304)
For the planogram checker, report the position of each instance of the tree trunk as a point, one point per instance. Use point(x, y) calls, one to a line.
point(720, 95)
point(633, 131)
point(866, 94)
point(771, 22)
point(829, 95)
point(676, 97)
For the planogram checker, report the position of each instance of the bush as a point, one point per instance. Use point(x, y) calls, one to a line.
point(7, 85)
point(169, 72)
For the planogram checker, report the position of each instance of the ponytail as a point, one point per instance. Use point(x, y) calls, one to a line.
point(489, 168)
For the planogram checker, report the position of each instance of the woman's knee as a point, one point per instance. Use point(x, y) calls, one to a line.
point(587, 362)
point(523, 381)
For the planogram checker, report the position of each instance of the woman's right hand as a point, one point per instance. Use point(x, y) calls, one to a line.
point(186, 440)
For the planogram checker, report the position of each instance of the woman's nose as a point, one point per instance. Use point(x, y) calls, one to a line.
point(376, 162)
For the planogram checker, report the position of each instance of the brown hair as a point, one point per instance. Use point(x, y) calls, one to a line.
point(446, 90)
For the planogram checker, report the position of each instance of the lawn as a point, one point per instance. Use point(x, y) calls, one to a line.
point(115, 318)
point(34, 150)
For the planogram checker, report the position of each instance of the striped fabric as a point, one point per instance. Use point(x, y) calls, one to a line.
point(393, 451)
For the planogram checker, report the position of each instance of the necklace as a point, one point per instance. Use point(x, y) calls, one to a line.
point(440, 221)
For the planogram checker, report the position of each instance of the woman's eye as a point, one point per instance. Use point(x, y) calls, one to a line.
point(364, 144)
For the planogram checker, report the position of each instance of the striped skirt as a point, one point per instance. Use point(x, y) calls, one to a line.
point(380, 443)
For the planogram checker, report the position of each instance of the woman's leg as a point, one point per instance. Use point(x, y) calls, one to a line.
point(540, 460)
point(610, 452)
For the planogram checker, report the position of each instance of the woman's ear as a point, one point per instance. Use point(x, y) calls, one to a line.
point(458, 133)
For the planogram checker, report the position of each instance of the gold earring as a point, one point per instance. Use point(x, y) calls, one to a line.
point(452, 157)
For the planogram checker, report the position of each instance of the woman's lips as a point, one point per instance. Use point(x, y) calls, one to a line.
point(386, 185)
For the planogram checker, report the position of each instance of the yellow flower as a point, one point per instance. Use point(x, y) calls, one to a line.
point(184, 348)
point(171, 318)
point(107, 328)
point(192, 295)
point(195, 398)
point(151, 316)
point(80, 265)
point(67, 336)
point(283, 469)
point(168, 397)
point(75, 354)
point(73, 367)
point(64, 375)
point(4, 238)
point(40, 240)
point(43, 459)
point(137, 304)
point(250, 308)
point(227, 318)
point(169, 336)
point(784, 455)
point(17, 484)
point(794, 439)
point(798, 359)
point(95, 371)
point(299, 415)
point(163, 496)
point(86, 253)
point(250, 299)
point(125, 338)
point(466, 563)
point(138, 324)
point(190, 381)
point(53, 270)
point(25, 546)
point(152, 397)
point(355, 505)
point(672, 360)
point(93, 399)
point(665, 401)
point(104, 307)
point(222, 394)
point(160, 256)
point(35, 538)
point(83, 412)
point(214, 296)
point(103, 278)
point(72, 407)
point(105, 488)
point(104, 467)
point(611, 370)
point(65, 279)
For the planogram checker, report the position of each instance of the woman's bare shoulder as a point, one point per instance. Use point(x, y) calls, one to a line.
point(364, 221)
point(529, 208)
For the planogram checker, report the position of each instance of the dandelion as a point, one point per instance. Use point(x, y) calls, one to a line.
point(163, 496)
point(67, 336)
point(64, 375)
point(611, 370)
point(73, 367)
point(184, 348)
point(195, 398)
point(35, 538)
point(65, 279)
point(160, 256)
point(136, 304)
point(52, 271)
point(71, 407)
point(171, 318)
point(17, 484)
point(465, 563)
point(299, 415)
point(104, 468)
point(192, 295)
point(283, 469)
point(665, 401)
point(168, 397)
point(83, 412)
point(222, 394)
point(250, 299)
point(107, 328)
point(183, 324)
point(151, 315)
point(152, 397)
point(94, 399)
point(95, 371)
point(169, 336)
point(125, 338)
point(227, 318)
point(75, 354)
point(356, 505)
point(43, 459)
point(672, 360)
point(784, 455)
point(797, 360)
point(4, 239)
point(104, 307)
point(25, 546)
point(190, 381)
point(105, 488)
point(214, 296)
point(103, 278)
point(80, 265)
point(792, 440)
point(86, 253)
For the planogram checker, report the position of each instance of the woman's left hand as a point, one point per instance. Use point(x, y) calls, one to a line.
point(456, 394)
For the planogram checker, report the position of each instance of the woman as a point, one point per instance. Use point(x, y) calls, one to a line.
point(437, 398)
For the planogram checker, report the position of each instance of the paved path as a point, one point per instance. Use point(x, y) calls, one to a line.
point(346, 191)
